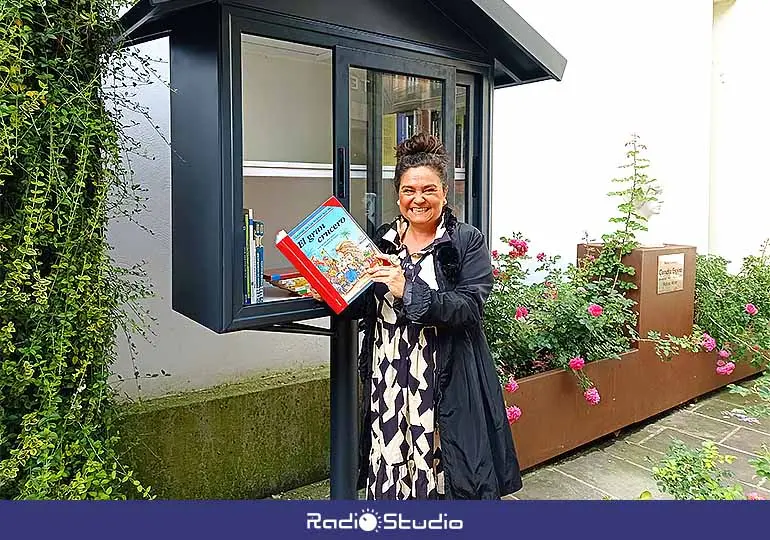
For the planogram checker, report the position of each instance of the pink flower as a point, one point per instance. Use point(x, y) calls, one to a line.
point(495, 254)
point(520, 248)
point(723, 354)
point(726, 369)
point(595, 310)
point(754, 496)
point(751, 309)
point(511, 385)
point(513, 412)
point(592, 396)
point(708, 343)
point(541, 256)
point(521, 312)
point(495, 272)
point(577, 363)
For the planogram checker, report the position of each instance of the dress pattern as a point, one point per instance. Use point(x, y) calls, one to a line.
point(405, 458)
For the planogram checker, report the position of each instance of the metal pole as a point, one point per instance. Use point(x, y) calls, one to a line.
point(344, 408)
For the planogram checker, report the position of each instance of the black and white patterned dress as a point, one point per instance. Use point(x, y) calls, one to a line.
point(405, 458)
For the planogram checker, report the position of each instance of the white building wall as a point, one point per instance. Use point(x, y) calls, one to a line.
point(639, 66)
point(740, 190)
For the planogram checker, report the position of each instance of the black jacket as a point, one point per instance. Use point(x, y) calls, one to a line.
point(476, 444)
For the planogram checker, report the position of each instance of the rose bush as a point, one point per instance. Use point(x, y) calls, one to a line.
point(562, 320)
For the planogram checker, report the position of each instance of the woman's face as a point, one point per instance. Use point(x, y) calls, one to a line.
point(421, 195)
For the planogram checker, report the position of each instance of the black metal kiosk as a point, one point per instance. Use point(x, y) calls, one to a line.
point(278, 104)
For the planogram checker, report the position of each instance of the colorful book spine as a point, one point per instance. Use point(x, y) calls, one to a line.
point(246, 259)
point(253, 255)
point(259, 233)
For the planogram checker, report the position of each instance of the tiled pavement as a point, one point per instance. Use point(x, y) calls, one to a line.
point(620, 467)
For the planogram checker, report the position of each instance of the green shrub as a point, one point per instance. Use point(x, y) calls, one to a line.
point(61, 298)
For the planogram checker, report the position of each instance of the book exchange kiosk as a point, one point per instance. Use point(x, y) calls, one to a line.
point(278, 104)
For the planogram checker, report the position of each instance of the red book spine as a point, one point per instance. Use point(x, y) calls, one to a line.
point(294, 254)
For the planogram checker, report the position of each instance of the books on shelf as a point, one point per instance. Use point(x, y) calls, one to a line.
point(253, 258)
point(332, 253)
point(287, 279)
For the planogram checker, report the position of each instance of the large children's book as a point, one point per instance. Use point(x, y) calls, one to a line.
point(332, 252)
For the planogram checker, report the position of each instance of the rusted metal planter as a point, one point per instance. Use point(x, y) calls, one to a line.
point(555, 416)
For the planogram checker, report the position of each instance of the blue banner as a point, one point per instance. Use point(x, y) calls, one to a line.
point(286, 520)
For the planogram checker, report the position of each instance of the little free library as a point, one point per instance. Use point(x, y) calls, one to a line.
point(276, 105)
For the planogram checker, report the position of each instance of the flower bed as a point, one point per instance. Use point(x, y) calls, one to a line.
point(553, 415)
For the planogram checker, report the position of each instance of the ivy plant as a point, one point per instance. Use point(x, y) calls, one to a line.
point(61, 296)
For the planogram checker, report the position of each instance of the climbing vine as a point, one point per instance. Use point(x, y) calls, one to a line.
point(62, 298)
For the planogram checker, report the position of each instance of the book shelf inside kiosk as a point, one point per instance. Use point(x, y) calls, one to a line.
point(288, 148)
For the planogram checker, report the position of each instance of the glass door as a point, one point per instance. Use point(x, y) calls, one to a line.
point(382, 100)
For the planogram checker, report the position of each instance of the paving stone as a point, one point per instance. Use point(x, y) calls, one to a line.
point(740, 467)
point(697, 425)
point(642, 457)
point(748, 440)
point(547, 484)
point(639, 434)
point(730, 412)
point(614, 475)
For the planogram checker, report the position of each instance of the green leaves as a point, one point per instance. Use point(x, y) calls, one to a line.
point(639, 190)
point(61, 299)
point(696, 474)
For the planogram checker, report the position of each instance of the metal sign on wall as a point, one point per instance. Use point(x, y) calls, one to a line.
point(670, 273)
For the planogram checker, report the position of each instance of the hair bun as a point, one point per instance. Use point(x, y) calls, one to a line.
point(422, 143)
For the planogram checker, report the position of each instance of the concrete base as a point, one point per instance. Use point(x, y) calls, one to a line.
point(241, 441)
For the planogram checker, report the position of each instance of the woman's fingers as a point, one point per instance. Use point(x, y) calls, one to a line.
point(382, 272)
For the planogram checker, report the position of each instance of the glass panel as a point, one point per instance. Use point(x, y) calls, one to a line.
point(287, 151)
point(385, 109)
point(462, 129)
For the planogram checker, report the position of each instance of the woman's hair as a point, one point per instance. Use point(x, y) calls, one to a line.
point(421, 150)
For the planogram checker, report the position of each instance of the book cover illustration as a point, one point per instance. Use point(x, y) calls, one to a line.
point(332, 252)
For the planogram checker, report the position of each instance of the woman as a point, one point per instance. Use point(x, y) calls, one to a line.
point(433, 420)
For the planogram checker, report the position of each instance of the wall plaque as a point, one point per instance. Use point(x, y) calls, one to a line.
point(670, 273)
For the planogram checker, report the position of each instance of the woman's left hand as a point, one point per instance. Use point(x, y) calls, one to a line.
point(392, 276)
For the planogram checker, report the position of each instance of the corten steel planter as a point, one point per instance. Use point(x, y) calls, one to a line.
point(555, 416)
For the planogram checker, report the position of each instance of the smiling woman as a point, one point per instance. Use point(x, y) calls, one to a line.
point(433, 416)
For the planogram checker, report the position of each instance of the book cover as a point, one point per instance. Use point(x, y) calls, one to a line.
point(332, 252)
